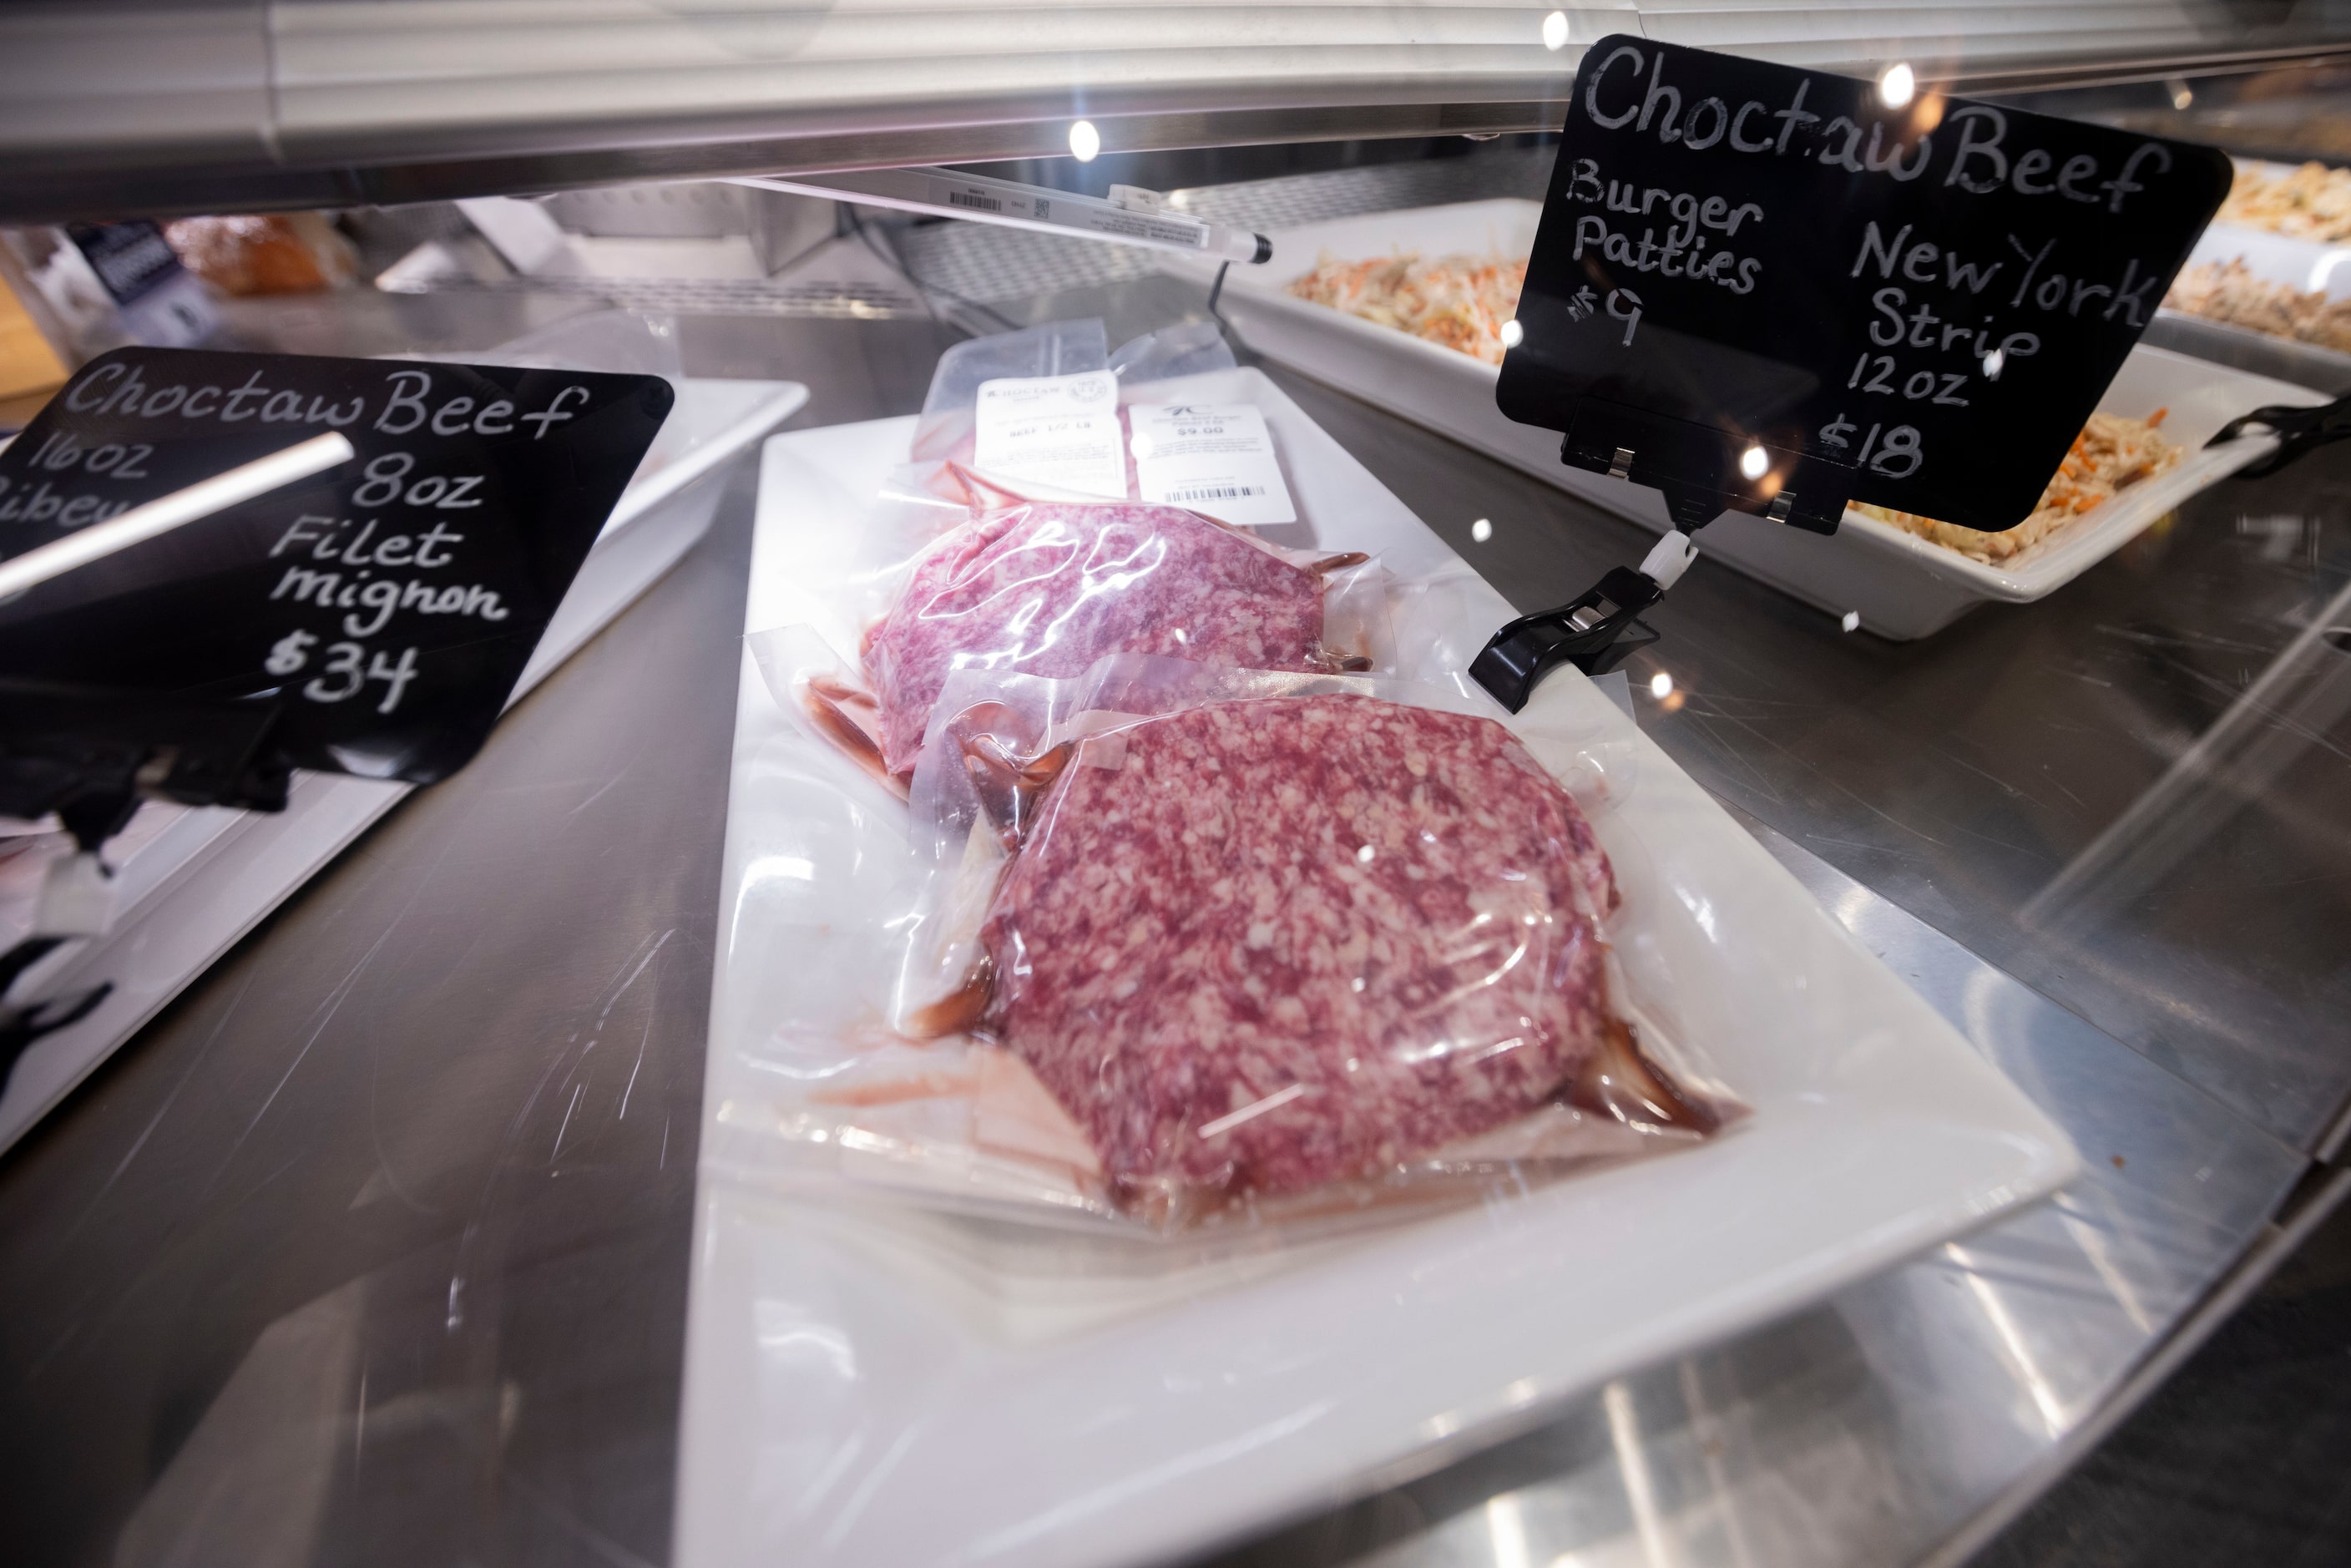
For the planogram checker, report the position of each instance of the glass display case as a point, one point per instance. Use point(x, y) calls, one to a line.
point(438, 1199)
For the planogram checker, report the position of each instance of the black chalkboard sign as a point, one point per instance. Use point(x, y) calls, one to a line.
point(1916, 306)
point(383, 608)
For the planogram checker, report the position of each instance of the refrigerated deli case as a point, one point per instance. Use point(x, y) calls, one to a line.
point(503, 1192)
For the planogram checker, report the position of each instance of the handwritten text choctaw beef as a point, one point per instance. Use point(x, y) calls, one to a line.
point(1929, 296)
point(387, 605)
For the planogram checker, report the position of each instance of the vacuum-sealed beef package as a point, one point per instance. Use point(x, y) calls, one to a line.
point(1047, 587)
point(961, 569)
point(1205, 945)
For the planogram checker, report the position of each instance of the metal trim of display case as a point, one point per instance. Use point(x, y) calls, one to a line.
point(213, 149)
point(2331, 1145)
point(2241, 347)
point(69, 190)
point(2125, 71)
point(2261, 1258)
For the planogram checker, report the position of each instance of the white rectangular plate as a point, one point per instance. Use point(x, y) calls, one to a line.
point(2308, 266)
point(2305, 266)
point(1899, 584)
point(873, 1382)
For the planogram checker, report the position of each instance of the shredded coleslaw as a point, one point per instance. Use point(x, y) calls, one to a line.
point(1460, 302)
point(2110, 454)
point(2313, 202)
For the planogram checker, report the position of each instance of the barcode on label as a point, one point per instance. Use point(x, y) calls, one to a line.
point(974, 199)
point(1215, 492)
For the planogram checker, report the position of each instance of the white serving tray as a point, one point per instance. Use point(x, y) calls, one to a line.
point(2306, 266)
point(2309, 266)
point(1901, 586)
point(191, 882)
point(868, 1381)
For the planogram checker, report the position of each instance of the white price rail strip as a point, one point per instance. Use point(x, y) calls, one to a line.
point(161, 516)
point(1131, 217)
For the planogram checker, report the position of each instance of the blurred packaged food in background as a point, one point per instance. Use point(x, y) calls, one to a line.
point(154, 299)
point(30, 369)
point(95, 287)
point(277, 253)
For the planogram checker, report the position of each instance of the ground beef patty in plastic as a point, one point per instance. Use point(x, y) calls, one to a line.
point(1047, 588)
point(1259, 945)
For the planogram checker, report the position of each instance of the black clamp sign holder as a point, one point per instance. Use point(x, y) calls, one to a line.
point(2299, 430)
point(1589, 632)
point(1703, 472)
point(1661, 372)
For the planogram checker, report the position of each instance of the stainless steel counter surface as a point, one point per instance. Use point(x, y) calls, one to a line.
point(373, 1247)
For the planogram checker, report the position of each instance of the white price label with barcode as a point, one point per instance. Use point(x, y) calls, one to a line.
point(1219, 460)
point(1060, 431)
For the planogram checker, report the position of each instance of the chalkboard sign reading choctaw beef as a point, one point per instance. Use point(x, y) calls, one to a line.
point(1918, 306)
point(384, 608)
